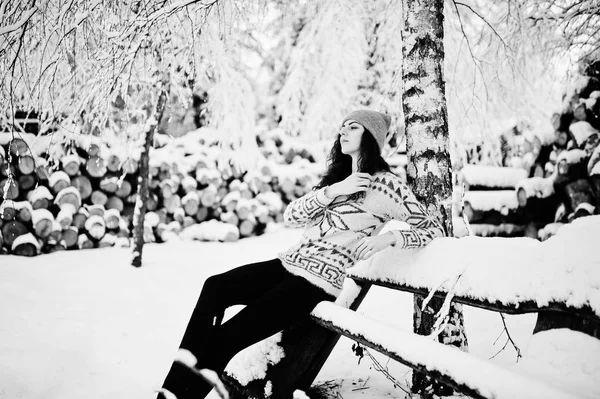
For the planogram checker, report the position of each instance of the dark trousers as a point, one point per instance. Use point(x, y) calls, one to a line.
point(274, 300)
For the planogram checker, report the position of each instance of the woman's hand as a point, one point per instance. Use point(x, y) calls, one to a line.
point(352, 184)
point(367, 246)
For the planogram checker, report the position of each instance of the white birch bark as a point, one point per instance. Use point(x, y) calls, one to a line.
point(427, 141)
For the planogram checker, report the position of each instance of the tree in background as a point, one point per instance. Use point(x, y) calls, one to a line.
point(494, 47)
point(491, 47)
point(324, 68)
point(380, 85)
point(93, 67)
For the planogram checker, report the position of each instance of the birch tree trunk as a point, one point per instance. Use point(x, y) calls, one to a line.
point(427, 141)
point(144, 172)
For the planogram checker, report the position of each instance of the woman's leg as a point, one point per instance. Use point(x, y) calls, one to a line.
point(280, 307)
point(238, 286)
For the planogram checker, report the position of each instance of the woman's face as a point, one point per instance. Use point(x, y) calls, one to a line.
point(350, 136)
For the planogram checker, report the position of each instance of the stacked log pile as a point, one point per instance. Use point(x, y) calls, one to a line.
point(562, 184)
point(572, 165)
point(81, 194)
point(276, 146)
point(489, 204)
point(536, 207)
point(57, 196)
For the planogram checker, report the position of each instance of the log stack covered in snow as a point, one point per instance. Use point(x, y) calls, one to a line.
point(577, 127)
point(490, 205)
point(562, 184)
point(81, 191)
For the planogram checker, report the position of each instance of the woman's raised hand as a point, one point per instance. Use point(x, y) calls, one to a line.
point(352, 184)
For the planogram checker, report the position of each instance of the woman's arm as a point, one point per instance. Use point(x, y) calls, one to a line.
point(306, 208)
point(309, 207)
point(401, 204)
point(424, 227)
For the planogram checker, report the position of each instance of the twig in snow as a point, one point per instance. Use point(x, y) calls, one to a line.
point(501, 333)
point(383, 369)
point(508, 339)
point(323, 390)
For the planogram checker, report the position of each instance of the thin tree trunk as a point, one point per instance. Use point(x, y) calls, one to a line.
point(144, 171)
point(429, 169)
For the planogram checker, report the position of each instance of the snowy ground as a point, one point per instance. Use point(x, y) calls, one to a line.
point(84, 324)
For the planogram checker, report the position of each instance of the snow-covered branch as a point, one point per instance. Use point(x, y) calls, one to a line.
point(325, 67)
point(19, 24)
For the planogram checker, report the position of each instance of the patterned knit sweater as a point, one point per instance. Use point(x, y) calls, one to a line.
point(333, 228)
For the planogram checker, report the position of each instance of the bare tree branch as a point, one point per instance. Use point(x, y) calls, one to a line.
point(476, 61)
point(485, 21)
point(509, 339)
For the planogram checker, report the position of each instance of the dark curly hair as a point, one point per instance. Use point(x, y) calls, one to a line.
point(340, 165)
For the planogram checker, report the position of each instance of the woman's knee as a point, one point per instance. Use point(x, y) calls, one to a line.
point(214, 283)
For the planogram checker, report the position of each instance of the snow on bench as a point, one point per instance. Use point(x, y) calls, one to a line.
point(516, 275)
point(478, 378)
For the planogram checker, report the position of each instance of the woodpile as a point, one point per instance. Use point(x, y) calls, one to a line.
point(562, 184)
point(494, 208)
point(85, 199)
point(489, 204)
point(576, 152)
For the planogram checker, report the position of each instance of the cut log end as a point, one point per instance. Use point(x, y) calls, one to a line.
point(84, 185)
point(26, 245)
point(96, 167)
point(522, 197)
point(43, 228)
point(12, 230)
point(84, 242)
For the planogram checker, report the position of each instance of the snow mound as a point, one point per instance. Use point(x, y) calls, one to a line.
point(564, 356)
point(492, 176)
point(540, 187)
point(252, 363)
point(571, 156)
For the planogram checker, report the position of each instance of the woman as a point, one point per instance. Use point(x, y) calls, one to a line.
point(356, 196)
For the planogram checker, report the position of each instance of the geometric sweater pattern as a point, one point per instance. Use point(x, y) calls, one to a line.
point(333, 228)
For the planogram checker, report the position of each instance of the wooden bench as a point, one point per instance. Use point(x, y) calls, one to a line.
point(558, 279)
point(465, 373)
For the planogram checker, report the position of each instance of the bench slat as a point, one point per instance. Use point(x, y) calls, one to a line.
point(511, 275)
point(523, 307)
point(464, 372)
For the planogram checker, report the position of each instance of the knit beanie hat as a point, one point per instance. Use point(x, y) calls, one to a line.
point(376, 122)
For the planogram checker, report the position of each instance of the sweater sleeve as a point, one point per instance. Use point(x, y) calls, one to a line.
point(424, 227)
point(307, 208)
